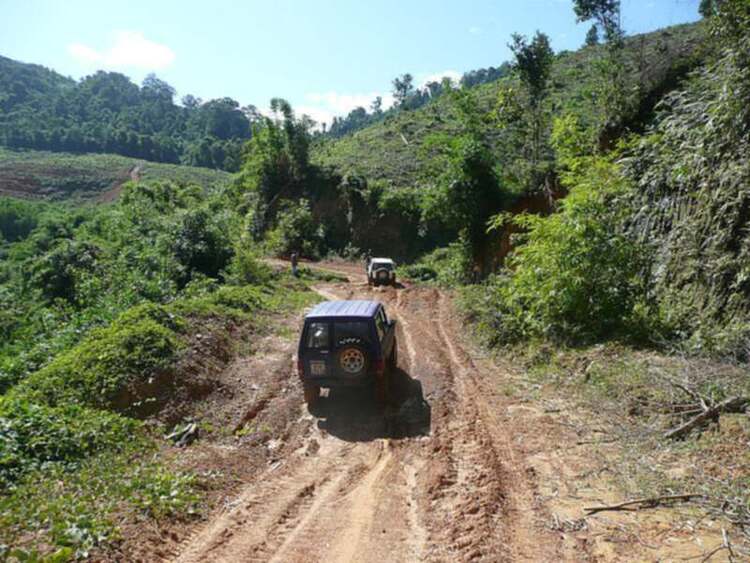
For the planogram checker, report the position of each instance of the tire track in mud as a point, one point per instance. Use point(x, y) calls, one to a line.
point(447, 496)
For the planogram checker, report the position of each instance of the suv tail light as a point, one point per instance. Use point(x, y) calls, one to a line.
point(300, 368)
point(379, 366)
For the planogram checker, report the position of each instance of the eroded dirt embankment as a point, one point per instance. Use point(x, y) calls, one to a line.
point(454, 470)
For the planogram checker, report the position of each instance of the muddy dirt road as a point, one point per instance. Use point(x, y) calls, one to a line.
point(452, 471)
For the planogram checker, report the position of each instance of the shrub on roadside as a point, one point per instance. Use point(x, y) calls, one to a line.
point(296, 231)
point(448, 266)
point(33, 435)
point(139, 345)
point(201, 244)
point(246, 266)
point(576, 276)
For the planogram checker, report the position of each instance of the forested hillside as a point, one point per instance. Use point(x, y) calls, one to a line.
point(107, 113)
point(394, 150)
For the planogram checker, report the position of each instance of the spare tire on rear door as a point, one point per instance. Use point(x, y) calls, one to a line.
point(352, 359)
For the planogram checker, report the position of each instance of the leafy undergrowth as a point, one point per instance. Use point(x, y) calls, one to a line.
point(637, 397)
point(74, 459)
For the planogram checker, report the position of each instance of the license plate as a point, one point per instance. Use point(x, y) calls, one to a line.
point(318, 368)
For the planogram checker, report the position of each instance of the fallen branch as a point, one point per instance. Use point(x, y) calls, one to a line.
point(645, 502)
point(735, 404)
point(693, 394)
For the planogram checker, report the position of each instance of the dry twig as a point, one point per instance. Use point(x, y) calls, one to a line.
point(735, 404)
point(643, 503)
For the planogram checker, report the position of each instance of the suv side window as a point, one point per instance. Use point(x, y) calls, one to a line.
point(380, 324)
point(318, 336)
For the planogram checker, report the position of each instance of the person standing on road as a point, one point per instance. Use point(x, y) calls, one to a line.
point(295, 261)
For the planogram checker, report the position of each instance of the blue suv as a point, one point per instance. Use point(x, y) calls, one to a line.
point(347, 344)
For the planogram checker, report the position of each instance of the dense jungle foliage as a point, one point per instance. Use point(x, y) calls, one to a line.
point(651, 242)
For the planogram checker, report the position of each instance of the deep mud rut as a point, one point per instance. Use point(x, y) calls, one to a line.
point(452, 471)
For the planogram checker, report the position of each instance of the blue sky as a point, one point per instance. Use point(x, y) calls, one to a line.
point(324, 56)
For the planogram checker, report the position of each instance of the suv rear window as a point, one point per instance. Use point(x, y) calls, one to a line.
point(317, 335)
point(344, 332)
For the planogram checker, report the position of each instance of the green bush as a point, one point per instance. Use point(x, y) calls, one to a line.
point(577, 276)
point(448, 266)
point(140, 344)
point(246, 266)
point(18, 218)
point(227, 302)
point(56, 510)
point(57, 273)
point(161, 493)
point(202, 244)
point(296, 231)
point(417, 272)
point(33, 435)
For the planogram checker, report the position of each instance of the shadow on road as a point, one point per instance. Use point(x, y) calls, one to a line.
point(352, 414)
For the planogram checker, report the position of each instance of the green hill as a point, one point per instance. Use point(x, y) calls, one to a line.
point(392, 150)
point(56, 176)
point(107, 113)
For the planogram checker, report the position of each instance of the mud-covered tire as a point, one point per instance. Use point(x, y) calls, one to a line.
point(352, 360)
point(312, 394)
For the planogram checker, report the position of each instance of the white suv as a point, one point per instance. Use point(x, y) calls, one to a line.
point(381, 271)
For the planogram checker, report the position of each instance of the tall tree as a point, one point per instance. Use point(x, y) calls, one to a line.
point(158, 88)
point(403, 87)
point(191, 102)
point(533, 63)
point(709, 8)
point(592, 36)
point(606, 13)
point(377, 105)
point(614, 99)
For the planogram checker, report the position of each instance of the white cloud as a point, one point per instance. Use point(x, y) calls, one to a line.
point(130, 49)
point(474, 30)
point(324, 106)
